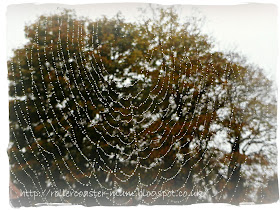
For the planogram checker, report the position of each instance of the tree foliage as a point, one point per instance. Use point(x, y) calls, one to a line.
point(108, 104)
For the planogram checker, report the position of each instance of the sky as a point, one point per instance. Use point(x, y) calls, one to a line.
point(250, 29)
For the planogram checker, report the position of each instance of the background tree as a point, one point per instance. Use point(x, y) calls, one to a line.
point(110, 105)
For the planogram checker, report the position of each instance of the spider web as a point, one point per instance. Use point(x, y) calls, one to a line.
point(140, 139)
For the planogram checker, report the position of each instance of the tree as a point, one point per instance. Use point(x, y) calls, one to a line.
point(251, 125)
point(113, 106)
